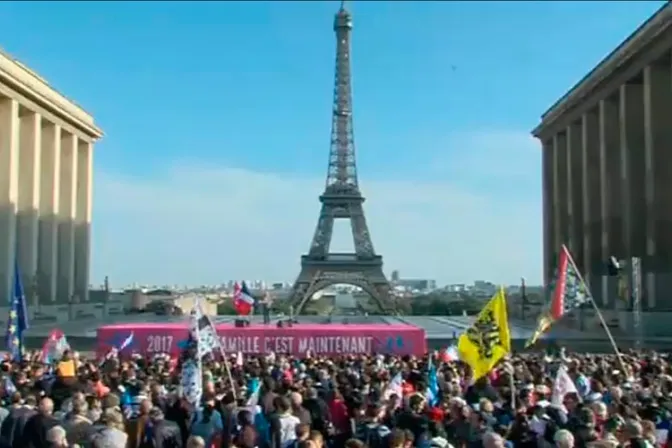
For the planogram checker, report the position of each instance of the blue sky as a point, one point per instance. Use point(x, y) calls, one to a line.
point(217, 121)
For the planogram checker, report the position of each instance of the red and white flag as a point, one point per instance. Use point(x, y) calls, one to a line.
point(562, 386)
point(243, 301)
point(569, 292)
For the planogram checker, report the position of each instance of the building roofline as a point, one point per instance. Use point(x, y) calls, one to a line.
point(28, 83)
point(644, 34)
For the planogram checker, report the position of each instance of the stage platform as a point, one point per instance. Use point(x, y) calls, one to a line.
point(440, 331)
point(299, 339)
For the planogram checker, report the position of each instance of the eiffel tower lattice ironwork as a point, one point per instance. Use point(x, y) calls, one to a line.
point(342, 199)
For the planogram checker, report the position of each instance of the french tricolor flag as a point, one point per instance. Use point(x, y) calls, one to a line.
point(450, 354)
point(242, 299)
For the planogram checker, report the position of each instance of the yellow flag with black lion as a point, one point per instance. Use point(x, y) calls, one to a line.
point(488, 339)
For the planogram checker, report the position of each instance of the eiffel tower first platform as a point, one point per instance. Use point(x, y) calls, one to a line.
point(342, 199)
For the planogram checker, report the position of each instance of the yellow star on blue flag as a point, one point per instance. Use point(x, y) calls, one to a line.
point(17, 322)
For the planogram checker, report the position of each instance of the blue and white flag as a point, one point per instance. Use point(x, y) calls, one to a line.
point(114, 351)
point(394, 388)
point(433, 387)
point(17, 322)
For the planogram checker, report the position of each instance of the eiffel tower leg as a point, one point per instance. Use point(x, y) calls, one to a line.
point(360, 232)
point(323, 233)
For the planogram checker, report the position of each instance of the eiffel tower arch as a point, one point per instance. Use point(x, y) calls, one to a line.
point(342, 199)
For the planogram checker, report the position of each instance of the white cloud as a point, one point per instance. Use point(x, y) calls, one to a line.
point(197, 223)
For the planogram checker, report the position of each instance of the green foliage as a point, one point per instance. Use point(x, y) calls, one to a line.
point(430, 305)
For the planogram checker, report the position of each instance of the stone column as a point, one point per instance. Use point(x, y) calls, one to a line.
point(592, 204)
point(50, 196)
point(557, 233)
point(611, 180)
point(9, 167)
point(83, 219)
point(568, 240)
point(658, 184)
point(30, 150)
point(633, 169)
point(564, 205)
point(66, 217)
point(575, 193)
point(548, 207)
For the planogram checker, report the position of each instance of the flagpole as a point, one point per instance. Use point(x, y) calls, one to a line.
point(221, 349)
point(597, 310)
point(228, 372)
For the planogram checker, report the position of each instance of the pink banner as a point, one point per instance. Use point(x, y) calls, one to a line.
point(258, 339)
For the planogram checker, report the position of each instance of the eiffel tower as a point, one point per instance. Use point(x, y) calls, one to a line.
point(342, 199)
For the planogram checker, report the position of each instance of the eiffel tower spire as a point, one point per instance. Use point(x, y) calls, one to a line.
point(342, 171)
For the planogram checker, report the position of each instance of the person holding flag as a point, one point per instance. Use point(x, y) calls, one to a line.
point(488, 339)
point(54, 347)
point(17, 322)
point(118, 348)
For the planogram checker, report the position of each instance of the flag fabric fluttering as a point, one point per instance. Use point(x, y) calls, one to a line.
point(206, 334)
point(433, 386)
point(568, 293)
point(243, 301)
point(394, 387)
point(450, 354)
point(54, 347)
point(203, 340)
point(17, 322)
point(253, 400)
point(488, 339)
point(562, 385)
point(115, 350)
point(192, 371)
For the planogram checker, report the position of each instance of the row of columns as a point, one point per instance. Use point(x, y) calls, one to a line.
point(45, 206)
point(608, 188)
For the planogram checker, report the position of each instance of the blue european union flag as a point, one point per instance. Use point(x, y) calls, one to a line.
point(18, 317)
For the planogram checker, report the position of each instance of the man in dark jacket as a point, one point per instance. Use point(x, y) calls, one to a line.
point(372, 431)
point(415, 420)
point(19, 413)
point(34, 434)
point(319, 412)
point(161, 433)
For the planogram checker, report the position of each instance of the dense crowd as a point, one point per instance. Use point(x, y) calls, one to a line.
point(351, 401)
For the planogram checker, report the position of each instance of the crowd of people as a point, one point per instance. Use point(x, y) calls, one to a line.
point(370, 401)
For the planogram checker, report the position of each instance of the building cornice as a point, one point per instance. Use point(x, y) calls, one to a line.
point(28, 84)
point(623, 54)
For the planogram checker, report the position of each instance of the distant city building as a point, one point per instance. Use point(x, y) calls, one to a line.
point(416, 284)
point(394, 277)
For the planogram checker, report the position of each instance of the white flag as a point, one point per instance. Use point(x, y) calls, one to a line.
point(203, 331)
point(562, 386)
point(394, 388)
